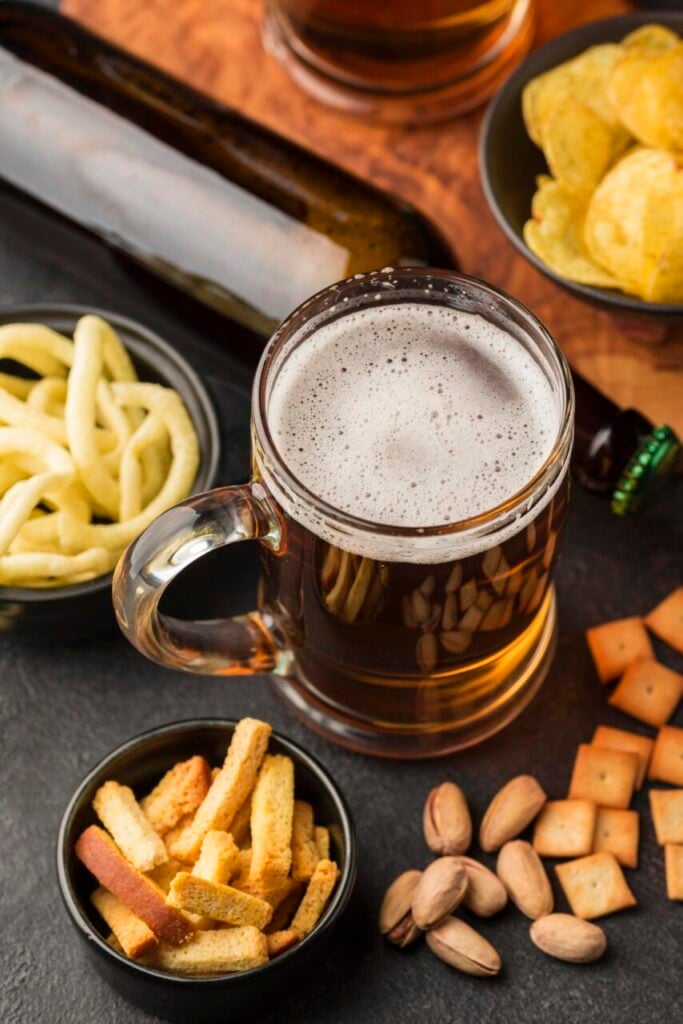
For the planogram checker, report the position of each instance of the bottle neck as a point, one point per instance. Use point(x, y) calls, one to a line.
point(617, 452)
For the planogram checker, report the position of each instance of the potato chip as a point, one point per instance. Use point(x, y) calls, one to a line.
point(585, 79)
point(578, 146)
point(555, 233)
point(646, 89)
point(616, 214)
point(654, 37)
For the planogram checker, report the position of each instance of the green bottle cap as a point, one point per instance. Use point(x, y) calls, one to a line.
point(651, 463)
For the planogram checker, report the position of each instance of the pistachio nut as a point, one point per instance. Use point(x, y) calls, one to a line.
point(520, 870)
point(485, 894)
point(446, 820)
point(439, 891)
point(395, 915)
point(460, 946)
point(513, 808)
point(569, 938)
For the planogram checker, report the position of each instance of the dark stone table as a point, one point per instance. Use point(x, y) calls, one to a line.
point(65, 706)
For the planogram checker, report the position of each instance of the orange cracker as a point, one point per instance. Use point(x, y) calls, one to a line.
point(614, 645)
point(618, 831)
point(231, 787)
point(648, 691)
point(315, 898)
point(667, 756)
point(272, 813)
point(280, 942)
point(673, 859)
point(667, 814)
point(179, 792)
point(133, 936)
point(219, 902)
point(666, 620)
point(304, 850)
point(594, 885)
point(321, 836)
point(564, 828)
point(632, 742)
point(218, 857)
point(605, 776)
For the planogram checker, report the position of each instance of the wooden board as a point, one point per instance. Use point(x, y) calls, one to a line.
point(216, 46)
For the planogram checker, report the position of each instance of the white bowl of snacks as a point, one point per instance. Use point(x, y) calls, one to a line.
point(103, 425)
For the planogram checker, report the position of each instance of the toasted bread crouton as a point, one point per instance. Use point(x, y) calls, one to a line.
point(179, 792)
point(120, 813)
point(304, 850)
point(218, 857)
point(101, 856)
point(272, 813)
point(217, 952)
point(230, 788)
point(280, 942)
point(315, 898)
point(219, 902)
point(134, 936)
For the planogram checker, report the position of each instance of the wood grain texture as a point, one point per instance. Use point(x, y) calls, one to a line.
point(216, 46)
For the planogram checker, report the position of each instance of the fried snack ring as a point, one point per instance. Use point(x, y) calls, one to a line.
point(168, 406)
point(42, 565)
point(20, 387)
point(80, 415)
point(40, 348)
point(21, 499)
point(150, 432)
point(47, 394)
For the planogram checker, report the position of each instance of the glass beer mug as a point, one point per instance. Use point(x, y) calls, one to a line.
point(411, 436)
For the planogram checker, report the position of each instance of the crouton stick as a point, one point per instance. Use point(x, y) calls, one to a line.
point(215, 952)
point(231, 787)
point(219, 902)
point(315, 898)
point(272, 812)
point(100, 854)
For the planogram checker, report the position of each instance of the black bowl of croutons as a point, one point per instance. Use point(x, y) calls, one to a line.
point(204, 864)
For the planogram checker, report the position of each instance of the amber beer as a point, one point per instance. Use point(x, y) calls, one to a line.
point(411, 439)
point(440, 56)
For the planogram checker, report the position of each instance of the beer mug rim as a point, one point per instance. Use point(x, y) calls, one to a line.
point(415, 284)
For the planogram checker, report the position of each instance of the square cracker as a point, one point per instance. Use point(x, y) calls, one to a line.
point(667, 814)
point(673, 859)
point(607, 777)
point(648, 691)
point(632, 742)
point(618, 832)
point(667, 756)
point(594, 885)
point(666, 620)
point(615, 645)
point(565, 828)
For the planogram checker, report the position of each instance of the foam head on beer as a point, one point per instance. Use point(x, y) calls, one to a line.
point(413, 415)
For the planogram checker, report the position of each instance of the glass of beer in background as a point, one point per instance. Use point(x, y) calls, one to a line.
point(411, 439)
point(400, 61)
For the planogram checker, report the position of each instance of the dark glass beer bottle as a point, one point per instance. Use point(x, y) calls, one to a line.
point(244, 220)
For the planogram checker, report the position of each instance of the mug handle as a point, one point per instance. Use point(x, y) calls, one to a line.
point(236, 646)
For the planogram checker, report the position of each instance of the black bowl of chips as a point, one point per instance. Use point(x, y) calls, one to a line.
point(587, 176)
point(50, 608)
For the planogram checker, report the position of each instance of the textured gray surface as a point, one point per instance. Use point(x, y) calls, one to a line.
point(64, 706)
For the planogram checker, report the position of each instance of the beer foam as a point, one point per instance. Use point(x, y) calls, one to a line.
point(413, 415)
